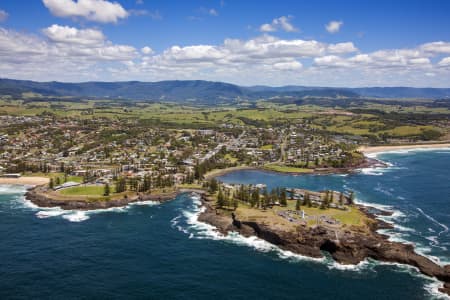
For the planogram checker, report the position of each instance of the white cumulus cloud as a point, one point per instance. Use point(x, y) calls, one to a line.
point(94, 10)
point(66, 34)
point(445, 62)
point(284, 66)
point(436, 47)
point(281, 23)
point(334, 26)
point(67, 53)
point(146, 50)
point(341, 48)
point(78, 54)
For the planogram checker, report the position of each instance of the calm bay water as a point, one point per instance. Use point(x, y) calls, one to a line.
point(160, 251)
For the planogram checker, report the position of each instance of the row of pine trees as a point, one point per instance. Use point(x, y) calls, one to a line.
point(262, 198)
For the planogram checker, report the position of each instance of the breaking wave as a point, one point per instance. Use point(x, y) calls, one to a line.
point(188, 223)
point(402, 234)
point(409, 151)
point(8, 189)
point(69, 215)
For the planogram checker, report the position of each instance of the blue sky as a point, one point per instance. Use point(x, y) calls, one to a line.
point(326, 43)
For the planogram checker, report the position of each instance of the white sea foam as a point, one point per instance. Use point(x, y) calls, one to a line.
point(412, 150)
point(433, 220)
point(371, 171)
point(200, 230)
point(147, 203)
point(382, 207)
point(434, 242)
point(175, 220)
point(340, 175)
point(43, 214)
point(378, 171)
point(403, 228)
point(27, 203)
point(395, 215)
point(400, 233)
point(395, 236)
point(425, 251)
point(7, 189)
point(119, 209)
point(432, 284)
point(363, 265)
point(77, 216)
point(372, 155)
point(432, 289)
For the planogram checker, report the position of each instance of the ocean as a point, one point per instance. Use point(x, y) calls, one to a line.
point(161, 251)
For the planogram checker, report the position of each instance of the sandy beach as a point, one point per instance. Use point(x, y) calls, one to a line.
point(24, 180)
point(220, 172)
point(375, 149)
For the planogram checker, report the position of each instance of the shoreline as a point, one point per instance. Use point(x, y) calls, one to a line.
point(368, 163)
point(220, 172)
point(25, 180)
point(37, 195)
point(347, 246)
point(352, 246)
point(379, 149)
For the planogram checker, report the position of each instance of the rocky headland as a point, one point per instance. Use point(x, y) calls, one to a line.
point(39, 196)
point(346, 245)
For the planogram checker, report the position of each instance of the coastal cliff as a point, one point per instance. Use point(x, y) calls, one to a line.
point(345, 245)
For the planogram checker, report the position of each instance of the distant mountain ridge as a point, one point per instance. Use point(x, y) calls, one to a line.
point(376, 92)
point(163, 90)
point(205, 91)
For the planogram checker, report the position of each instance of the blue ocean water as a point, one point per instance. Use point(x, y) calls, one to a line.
point(160, 251)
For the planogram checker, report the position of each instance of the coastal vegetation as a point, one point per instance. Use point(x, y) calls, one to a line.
point(290, 207)
point(100, 147)
point(376, 121)
point(90, 190)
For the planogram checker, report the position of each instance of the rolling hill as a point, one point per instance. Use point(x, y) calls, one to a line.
point(206, 92)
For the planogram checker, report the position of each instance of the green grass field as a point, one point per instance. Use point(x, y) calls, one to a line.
point(190, 116)
point(351, 217)
point(89, 190)
point(286, 169)
point(267, 147)
point(348, 217)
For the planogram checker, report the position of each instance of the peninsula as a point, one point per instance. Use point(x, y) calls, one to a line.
point(310, 223)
